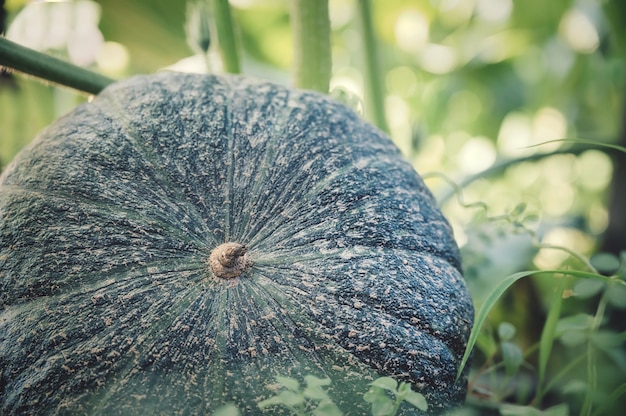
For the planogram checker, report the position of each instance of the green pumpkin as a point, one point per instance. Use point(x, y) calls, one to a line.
point(181, 240)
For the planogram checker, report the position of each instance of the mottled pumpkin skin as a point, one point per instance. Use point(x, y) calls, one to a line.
point(107, 221)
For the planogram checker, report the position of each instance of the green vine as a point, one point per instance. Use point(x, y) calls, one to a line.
point(40, 65)
point(374, 95)
point(224, 32)
point(312, 55)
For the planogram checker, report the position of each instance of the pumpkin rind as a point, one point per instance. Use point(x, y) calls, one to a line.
point(108, 303)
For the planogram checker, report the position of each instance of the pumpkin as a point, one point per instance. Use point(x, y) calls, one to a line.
point(182, 240)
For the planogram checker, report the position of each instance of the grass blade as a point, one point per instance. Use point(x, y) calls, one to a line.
point(547, 337)
point(498, 291)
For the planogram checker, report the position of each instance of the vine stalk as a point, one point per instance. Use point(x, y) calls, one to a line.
point(224, 32)
point(374, 95)
point(312, 54)
point(49, 68)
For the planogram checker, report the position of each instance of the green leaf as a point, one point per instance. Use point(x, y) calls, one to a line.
point(373, 394)
point(495, 295)
point(327, 408)
point(573, 338)
point(383, 406)
point(416, 399)
point(403, 389)
point(617, 296)
point(606, 339)
point(290, 398)
point(506, 331)
point(575, 387)
point(548, 334)
point(605, 263)
point(516, 410)
point(312, 381)
point(587, 288)
point(269, 402)
point(315, 393)
point(483, 311)
point(227, 410)
point(512, 356)
point(289, 383)
point(386, 383)
point(578, 322)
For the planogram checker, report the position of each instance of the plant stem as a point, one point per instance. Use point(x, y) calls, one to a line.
point(49, 68)
point(312, 55)
point(592, 373)
point(548, 338)
point(225, 35)
point(374, 96)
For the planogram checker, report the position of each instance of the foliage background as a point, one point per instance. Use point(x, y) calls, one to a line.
point(470, 85)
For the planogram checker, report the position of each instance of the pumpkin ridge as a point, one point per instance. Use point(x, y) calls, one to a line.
point(284, 195)
point(171, 191)
point(271, 292)
point(263, 165)
point(228, 189)
point(289, 215)
point(345, 336)
point(46, 357)
point(171, 229)
point(420, 318)
point(148, 343)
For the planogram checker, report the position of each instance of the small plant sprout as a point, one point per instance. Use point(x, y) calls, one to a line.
point(310, 400)
point(383, 405)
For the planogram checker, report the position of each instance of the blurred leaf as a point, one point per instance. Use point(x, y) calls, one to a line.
point(586, 288)
point(506, 331)
point(578, 322)
point(574, 330)
point(548, 335)
point(512, 356)
point(386, 383)
point(606, 263)
point(575, 387)
point(573, 338)
point(382, 407)
point(227, 410)
point(514, 410)
point(290, 398)
point(313, 381)
point(617, 295)
point(289, 383)
point(417, 400)
point(269, 402)
point(606, 339)
point(326, 408)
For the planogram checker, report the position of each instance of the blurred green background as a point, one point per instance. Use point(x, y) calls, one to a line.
point(476, 93)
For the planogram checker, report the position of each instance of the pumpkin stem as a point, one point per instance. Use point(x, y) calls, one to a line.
point(229, 260)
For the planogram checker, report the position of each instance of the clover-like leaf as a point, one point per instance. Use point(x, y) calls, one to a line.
point(288, 382)
point(386, 383)
point(417, 400)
